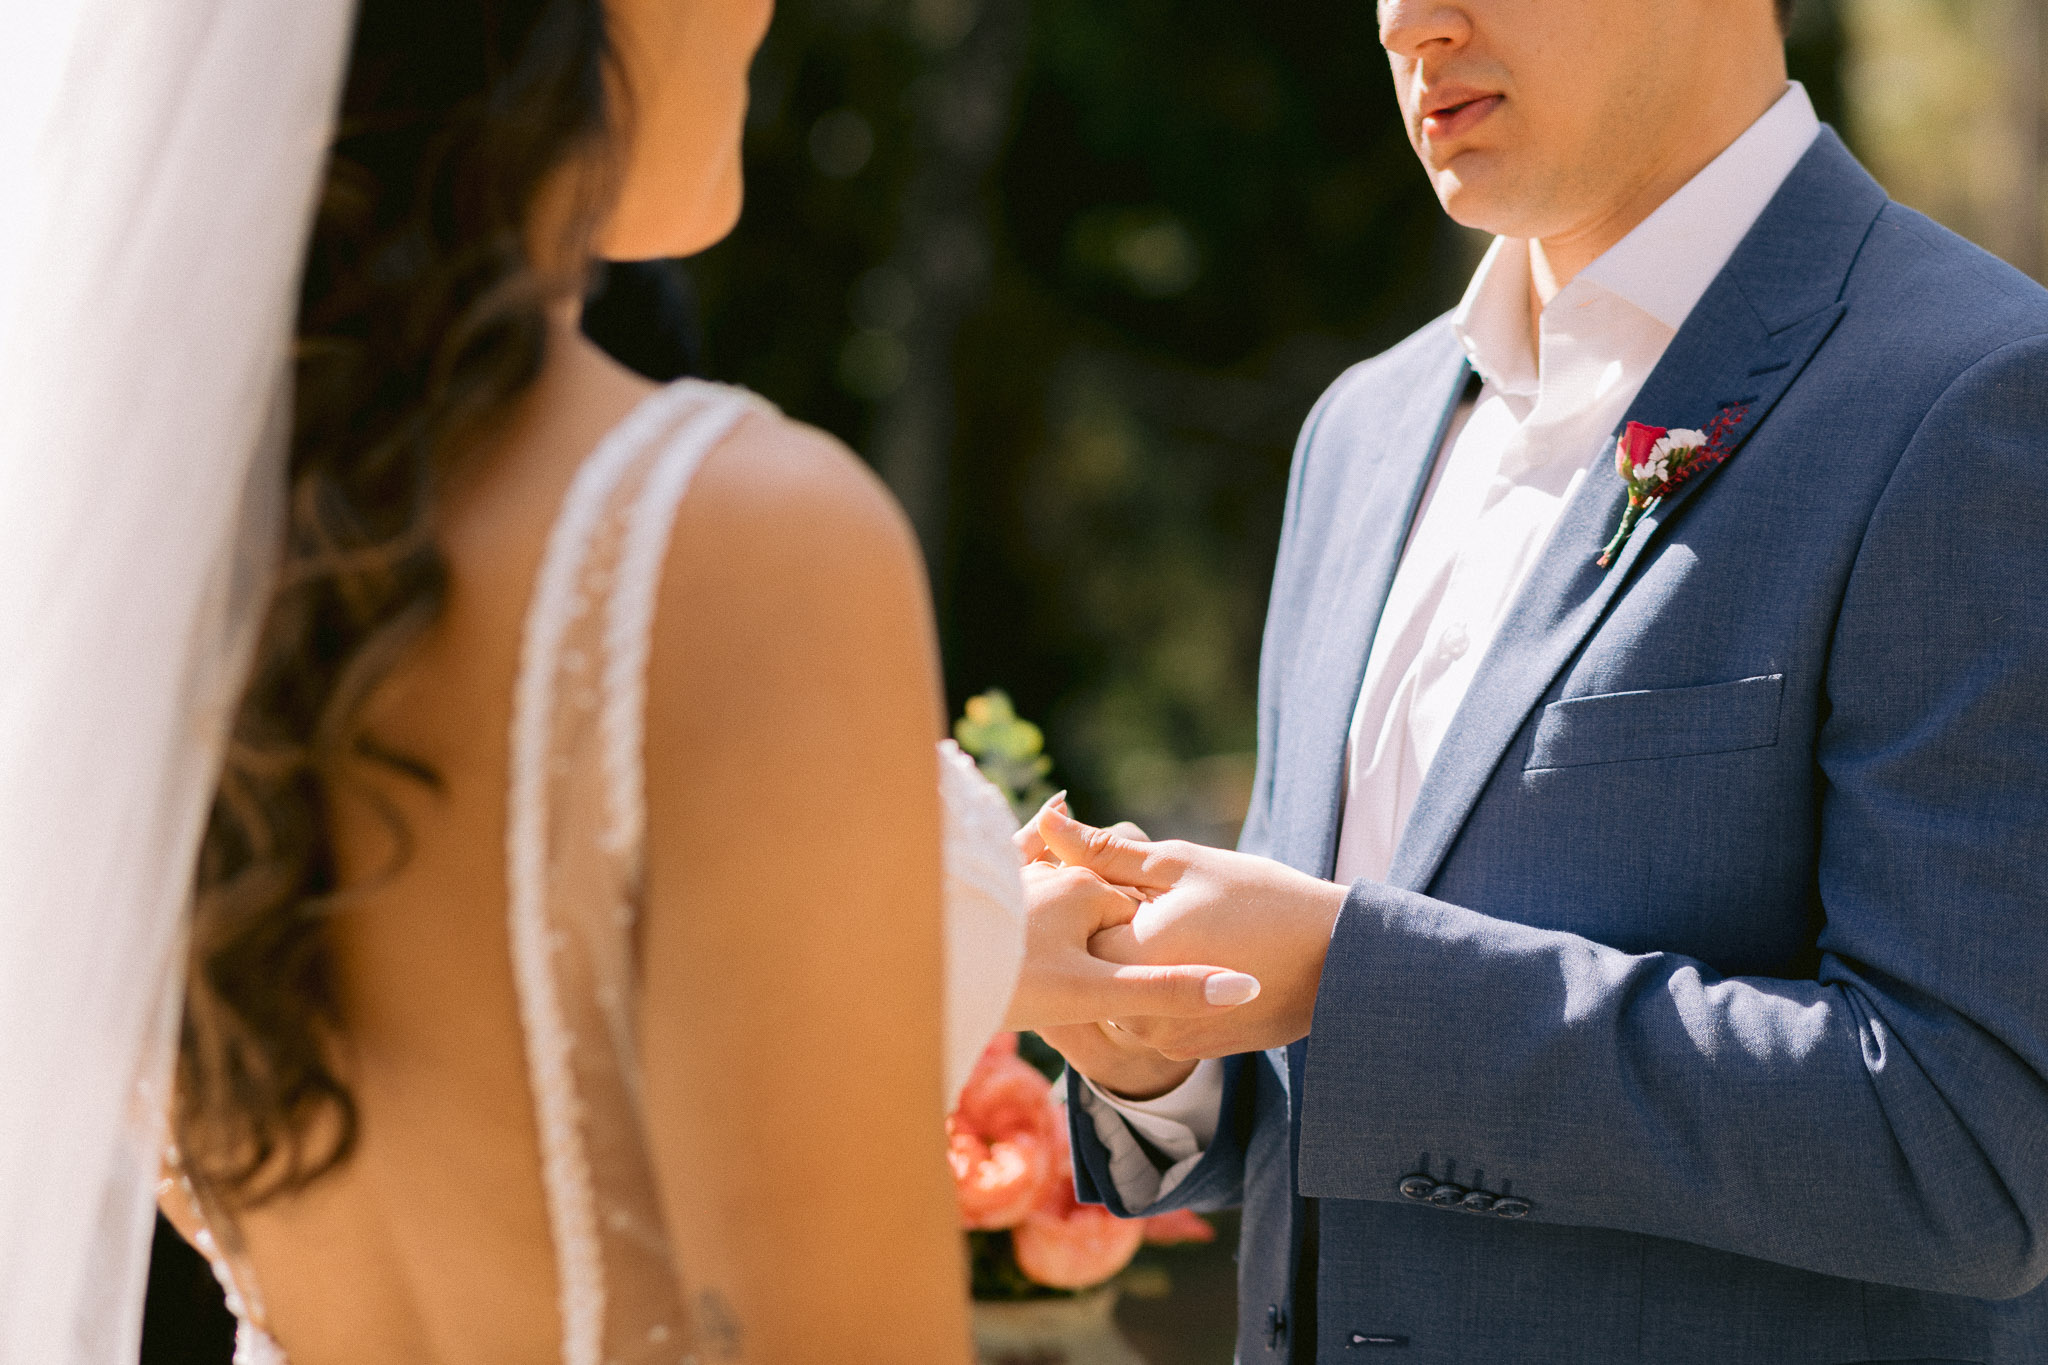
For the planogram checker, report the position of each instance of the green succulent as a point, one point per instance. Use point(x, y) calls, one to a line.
point(1009, 750)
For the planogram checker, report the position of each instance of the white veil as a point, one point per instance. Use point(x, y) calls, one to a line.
point(157, 164)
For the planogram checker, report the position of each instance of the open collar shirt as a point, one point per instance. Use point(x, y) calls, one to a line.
point(1510, 460)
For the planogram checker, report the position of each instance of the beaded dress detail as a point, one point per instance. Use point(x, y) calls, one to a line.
point(574, 839)
point(573, 862)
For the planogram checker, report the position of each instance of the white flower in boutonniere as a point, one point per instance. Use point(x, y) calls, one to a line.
point(1677, 445)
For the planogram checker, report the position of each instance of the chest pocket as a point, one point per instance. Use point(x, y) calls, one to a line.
point(1666, 722)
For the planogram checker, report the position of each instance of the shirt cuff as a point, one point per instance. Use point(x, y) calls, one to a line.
point(1179, 1125)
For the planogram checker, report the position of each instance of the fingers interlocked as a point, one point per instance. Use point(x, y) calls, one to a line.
point(1082, 882)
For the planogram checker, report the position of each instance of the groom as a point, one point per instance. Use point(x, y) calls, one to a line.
point(1651, 892)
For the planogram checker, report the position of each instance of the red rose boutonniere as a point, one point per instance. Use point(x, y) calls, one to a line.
point(1653, 461)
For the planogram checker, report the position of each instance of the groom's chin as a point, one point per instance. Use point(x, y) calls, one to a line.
point(1476, 195)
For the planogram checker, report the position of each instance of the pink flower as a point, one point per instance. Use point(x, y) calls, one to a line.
point(1066, 1244)
point(1182, 1225)
point(1000, 1140)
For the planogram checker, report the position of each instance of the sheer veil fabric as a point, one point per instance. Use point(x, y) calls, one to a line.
point(157, 166)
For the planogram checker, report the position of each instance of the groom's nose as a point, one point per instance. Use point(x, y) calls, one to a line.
point(1411, 28)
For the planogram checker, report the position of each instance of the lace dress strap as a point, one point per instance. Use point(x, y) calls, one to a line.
point(217, 1240)
point(573, 860)
point(574, 846)
point(574, 867)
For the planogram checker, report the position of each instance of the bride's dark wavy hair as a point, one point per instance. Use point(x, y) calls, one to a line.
point(421, 319)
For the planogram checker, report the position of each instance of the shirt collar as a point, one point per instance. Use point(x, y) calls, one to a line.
point(1664, 265)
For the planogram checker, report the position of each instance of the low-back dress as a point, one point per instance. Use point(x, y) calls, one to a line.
point(574, 861)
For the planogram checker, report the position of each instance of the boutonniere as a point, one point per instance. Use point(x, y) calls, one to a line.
point(1653, 461)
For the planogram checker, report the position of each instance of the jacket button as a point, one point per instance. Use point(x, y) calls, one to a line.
point(1510, 1208)
point(1479, 1201)
point(1446, 1196)
point(1276, 1327)
point(1417, 1187)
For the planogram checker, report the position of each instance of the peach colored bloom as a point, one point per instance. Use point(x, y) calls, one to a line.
point(1066, 1244)
point(1000, 1140)
point(1182, 1225)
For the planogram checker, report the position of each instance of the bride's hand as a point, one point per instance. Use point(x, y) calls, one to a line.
point(1031, 844)
point(1066, 994)
point(1062, 983)
point(1216, 905)
point(1119, 1062)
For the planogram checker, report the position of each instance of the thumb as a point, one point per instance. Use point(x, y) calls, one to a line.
point(1175, 992)
point(1109, 855)
point(1030, 843)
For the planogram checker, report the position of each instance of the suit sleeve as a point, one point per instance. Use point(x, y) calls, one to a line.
point(1256, 834)
point(1886, 1120)
point(1216, 1180)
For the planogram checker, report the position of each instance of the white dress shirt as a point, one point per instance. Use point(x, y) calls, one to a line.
point(1510, 461)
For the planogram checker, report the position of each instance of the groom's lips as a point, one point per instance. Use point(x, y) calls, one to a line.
point(1452, 113)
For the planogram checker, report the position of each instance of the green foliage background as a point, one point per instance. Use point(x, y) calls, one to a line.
point(1071, 272)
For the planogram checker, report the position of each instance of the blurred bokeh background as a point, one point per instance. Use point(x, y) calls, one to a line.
point(1071, 272)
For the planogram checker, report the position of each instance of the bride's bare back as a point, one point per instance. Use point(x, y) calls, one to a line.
point(790, 935)
point(787, 1013)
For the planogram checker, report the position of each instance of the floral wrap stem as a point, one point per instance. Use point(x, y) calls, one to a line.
point(1627, 528)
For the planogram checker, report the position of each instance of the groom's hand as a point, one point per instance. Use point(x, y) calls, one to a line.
point(1202, 904)
point(1066, 994)
point(1063, 983)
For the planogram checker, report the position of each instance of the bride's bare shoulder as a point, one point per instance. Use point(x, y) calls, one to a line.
point(791, 951)
point(794, 589)
point(786, 520)
point(778, 483)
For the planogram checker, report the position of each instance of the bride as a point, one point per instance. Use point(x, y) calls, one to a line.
point(565, 976)
point(565, 964)
point(491, 581)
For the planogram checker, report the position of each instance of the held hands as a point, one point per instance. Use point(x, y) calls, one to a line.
point(1153, 907)
point(1066, 993)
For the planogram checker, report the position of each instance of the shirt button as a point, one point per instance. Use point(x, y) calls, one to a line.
point(1454, 642)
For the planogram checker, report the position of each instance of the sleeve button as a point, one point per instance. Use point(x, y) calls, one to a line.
point(1510, 1208)
point(1479, 1201)
point(1417, 1187)
point(1446, 1196)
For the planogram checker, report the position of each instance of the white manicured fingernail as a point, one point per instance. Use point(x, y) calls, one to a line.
point(1230, 988)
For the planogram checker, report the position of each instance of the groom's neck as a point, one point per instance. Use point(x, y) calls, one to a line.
point(1729, 111)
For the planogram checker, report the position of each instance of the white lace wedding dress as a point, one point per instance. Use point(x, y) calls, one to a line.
point(573, 859)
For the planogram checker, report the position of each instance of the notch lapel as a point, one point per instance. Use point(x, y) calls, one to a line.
point(1350, 592)
point(1744, 344)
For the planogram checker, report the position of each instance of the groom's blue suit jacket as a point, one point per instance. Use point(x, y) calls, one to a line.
point(1713, 964)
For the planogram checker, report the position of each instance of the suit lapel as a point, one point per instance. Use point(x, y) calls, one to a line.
point(1364, 548)
point(1750, 336)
